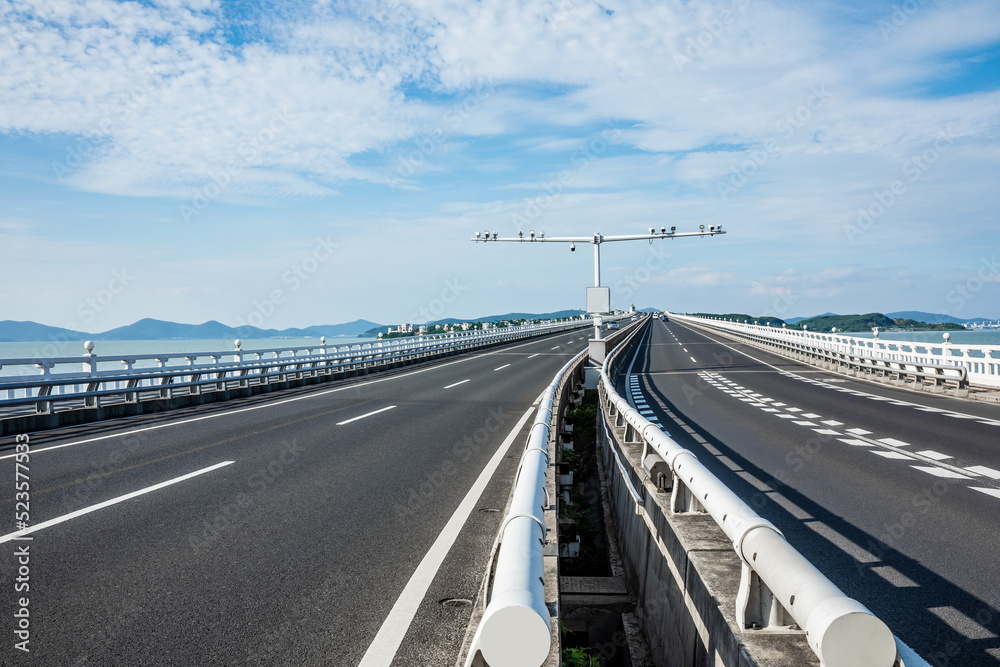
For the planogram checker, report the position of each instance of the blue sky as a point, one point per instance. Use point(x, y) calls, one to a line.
point(289, 164)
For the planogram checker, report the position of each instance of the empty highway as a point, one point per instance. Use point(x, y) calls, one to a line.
point(276, 530)
point(894, 495)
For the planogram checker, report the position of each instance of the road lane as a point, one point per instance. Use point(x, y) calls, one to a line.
point(891, 493)
point(296, 552)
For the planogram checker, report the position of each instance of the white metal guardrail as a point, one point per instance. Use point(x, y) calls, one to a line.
point(959, 363)
point(515, 630)
point(778, 586)
point(94, 378)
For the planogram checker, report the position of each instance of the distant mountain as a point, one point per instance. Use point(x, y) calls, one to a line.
point(513, 316)
point(794, 320)
point(532, 316)
point(933, 318)
point(743, 317)
point(152, 329)
point(559, 314)
point(917, 315)
point(866, 322)
point(15, 332)
point(355, 328)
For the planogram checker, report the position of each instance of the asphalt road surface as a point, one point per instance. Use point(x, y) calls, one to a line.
point(276, 530)
point(894, 495)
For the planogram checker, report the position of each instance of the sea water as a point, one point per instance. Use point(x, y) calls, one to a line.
point(114, 348)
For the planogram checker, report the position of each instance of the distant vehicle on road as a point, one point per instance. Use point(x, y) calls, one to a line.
point(666, 319)
point(635, 317)
point(612, 325)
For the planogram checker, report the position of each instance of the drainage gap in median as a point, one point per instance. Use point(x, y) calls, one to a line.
point(591, 599)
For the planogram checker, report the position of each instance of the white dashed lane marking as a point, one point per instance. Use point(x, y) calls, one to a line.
point(892, 455)
point(986, 472)
point(892, 445)
point(941, 472)
point(931, 454)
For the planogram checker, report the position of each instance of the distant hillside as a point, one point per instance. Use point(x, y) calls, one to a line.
point(864, 323)
point(152, 329)
point(559, 314)
point(794, 320)
point(915, 315)
point(743, 317)
point(934, 318)
point(845, 323)
point(16, 332)
point(531, 316)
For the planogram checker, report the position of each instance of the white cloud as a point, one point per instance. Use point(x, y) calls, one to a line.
point(449, 116)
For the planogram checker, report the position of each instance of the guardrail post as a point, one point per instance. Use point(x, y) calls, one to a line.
point(44, 407)
point(90, 368)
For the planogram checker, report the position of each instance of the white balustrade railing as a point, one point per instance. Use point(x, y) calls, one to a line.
point(515, 630)
point(93, 377)
point(981, 363)
point(778, 586)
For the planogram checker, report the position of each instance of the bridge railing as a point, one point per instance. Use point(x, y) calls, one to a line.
point(959, 364)
point(515, 630)
point(779, 587)
point(91, 378)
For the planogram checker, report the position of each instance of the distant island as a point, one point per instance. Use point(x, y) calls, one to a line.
point(452, 324)
point(844, 323)
point(152, 329)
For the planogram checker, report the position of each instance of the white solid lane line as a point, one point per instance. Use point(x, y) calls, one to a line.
point(382, 650)
point(108, 503)
point(501, 367)
point(458, 383)
point(367, 414)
